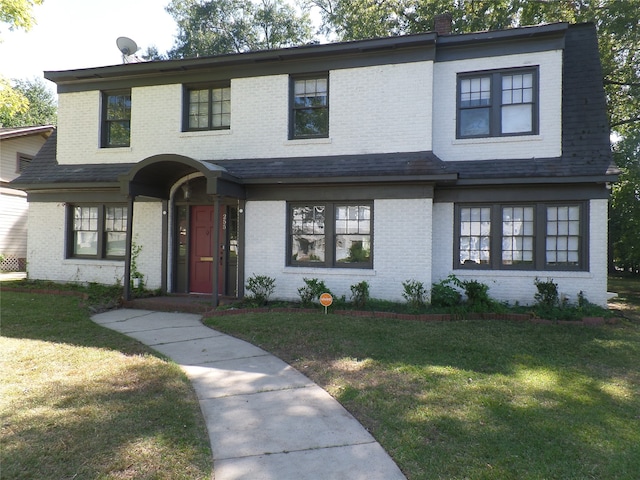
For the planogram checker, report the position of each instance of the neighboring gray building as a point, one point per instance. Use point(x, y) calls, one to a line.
point(483, 155)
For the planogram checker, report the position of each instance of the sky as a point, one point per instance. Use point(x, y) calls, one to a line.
point(73, 34)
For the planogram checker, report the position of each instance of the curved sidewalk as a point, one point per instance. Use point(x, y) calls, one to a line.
point(266, 421)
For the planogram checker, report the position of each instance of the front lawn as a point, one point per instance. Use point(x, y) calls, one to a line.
point(473, 399)
point(78, 401)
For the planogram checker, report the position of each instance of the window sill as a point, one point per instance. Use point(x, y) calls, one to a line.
point(362, 272)
point(93, 261)
point(493, 140)
point(112, 150)
point(307, 141)
point(462, 272)
point(206, 133)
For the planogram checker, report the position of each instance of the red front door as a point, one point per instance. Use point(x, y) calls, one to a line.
point(201, 251)
point(201, 256)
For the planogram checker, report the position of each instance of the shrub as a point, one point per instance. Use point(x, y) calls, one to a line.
point(414, 293)
point(477, 294)
point(547, 294)
point(360, 294)
point(312, 290)
point(261, 286)
point(443, 294)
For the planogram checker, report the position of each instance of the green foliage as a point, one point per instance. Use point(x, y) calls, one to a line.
point(41, 104)
point(477, 293)
point(312, 290)
point(18, 14)
point(262, 286)
point(137, 278)
point(547, 294)
point(624, 223)
point(415, 293)
point(360, 294)
point(232, 26)
point(444, 294)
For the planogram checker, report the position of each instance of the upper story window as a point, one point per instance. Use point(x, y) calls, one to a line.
point(208, 108)
point(97, 231)
point(116, 119)
point(309, 107)
point(497, 103)
point(529, 236)
point(330, 235)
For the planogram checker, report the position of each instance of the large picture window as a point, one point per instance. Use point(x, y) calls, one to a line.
point(97, 231)
point(116, 114)
point(310, 107)
point(330, 235)
point(527, 237)
point(497, 103)
point(208, 108)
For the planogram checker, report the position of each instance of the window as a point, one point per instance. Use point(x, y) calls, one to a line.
point(208, 108)
point(497, 103)
point(330, 235)
point(116, 112)
point(97, 231)
point(22, 162)
point(528, 237)
point(310, 107)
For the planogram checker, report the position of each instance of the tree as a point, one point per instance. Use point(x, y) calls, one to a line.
point(12, 103)
point(618, 26)
point(36, 105)
point(213, 27)
point(18, 13)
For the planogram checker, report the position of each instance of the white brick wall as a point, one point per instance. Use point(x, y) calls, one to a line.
point(45, 260)
point(402, 243)
point(547, 144)
point(372, 109)
point(518, 286)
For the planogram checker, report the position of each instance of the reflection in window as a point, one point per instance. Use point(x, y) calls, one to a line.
point(117, 120)
point(85, 231)
point(517, 235)
point(563, 235)
point(116, 231)
point(209, 108)
point(308, 234)
point(353, 228)
point(310, 103)
point(475, 231)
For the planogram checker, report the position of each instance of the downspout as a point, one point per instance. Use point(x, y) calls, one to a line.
point(216, 252)
point(127, 255)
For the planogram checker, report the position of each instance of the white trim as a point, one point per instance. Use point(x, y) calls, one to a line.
point(361, 272)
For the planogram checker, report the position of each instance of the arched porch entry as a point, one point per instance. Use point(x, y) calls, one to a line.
point(202, 227)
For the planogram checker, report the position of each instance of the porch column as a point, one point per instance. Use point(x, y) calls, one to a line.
point(165, 245)
point(127, 255)
point(216, 252)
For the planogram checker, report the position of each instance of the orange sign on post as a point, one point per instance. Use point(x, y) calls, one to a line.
point(326, 300)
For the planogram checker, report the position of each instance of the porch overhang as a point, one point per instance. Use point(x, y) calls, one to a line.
point(156, 175)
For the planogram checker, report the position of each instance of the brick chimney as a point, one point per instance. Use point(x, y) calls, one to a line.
point(442, 23)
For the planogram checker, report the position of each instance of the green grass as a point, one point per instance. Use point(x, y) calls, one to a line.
point(628, 300)
point(473, 399)
point(80, 401)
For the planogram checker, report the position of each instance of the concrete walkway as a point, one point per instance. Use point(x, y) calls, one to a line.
point(265, 419)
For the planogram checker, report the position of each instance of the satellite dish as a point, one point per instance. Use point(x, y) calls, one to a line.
point(127, 47)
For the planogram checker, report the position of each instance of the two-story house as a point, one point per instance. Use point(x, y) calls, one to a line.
point(482, 155)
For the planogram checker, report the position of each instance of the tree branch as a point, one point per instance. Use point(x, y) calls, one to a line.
point(614, 82)
point(625, 122)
